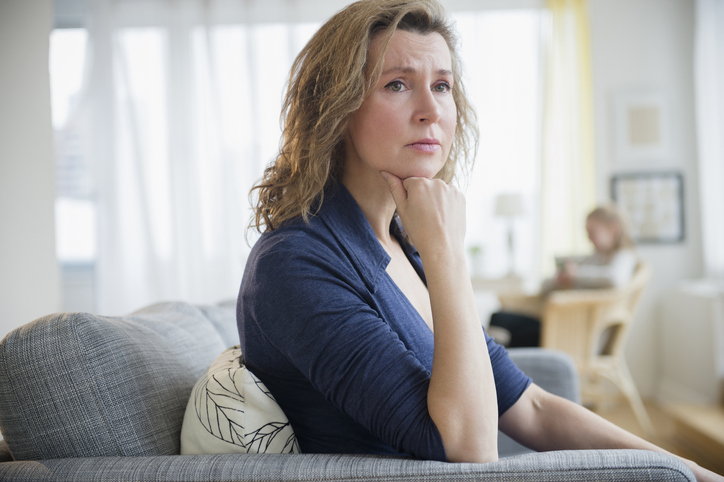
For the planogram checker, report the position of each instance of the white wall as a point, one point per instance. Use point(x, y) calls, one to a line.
point(649, 44)
point(692, 322)
point(29, 279)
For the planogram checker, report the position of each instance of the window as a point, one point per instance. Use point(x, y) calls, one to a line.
point(75, 206)
point(500, 51)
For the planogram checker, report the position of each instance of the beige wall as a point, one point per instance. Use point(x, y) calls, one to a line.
point(29, 279)
point(649, 44)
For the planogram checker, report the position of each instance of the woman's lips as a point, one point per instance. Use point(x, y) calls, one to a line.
point(425, 145)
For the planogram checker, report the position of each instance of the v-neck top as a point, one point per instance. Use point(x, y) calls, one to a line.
point(340, 347)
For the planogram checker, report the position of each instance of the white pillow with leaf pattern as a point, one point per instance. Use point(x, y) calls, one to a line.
point(230, 411)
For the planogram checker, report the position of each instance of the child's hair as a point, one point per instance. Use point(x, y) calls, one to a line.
point(611, 215)
point(329, 80)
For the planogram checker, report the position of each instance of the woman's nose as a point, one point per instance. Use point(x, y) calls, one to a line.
point(427, 107)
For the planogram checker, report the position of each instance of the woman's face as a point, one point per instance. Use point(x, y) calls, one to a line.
point(407, 124)
point(602, 235)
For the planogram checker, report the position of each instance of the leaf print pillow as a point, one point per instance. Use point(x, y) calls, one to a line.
point(230, 411)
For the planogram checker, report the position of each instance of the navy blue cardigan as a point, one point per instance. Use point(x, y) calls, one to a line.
point(340, 347)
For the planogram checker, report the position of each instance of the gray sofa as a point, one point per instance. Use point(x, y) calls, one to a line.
point(90, 398)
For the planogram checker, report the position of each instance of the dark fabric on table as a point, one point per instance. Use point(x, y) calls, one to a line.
point(524, 330)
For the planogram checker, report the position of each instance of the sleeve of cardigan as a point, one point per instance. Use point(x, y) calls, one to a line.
point(326, 328)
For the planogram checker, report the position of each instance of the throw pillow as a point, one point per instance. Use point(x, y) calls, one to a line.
point(230, 411)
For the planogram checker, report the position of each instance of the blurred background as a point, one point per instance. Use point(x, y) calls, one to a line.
point(132, 130)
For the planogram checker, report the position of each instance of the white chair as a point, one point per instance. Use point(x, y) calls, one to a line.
point(591, 326)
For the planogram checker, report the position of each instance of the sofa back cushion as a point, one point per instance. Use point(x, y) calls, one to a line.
point(80, 385)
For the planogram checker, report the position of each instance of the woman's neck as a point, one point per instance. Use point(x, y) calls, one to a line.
point(374, 199)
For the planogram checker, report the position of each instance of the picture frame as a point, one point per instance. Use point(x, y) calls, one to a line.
point(641, 126)
point(653, 202)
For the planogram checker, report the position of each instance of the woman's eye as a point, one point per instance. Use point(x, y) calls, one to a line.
point(442, 87)
point(395, 86)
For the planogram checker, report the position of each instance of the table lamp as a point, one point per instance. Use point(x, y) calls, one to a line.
point(510, 205)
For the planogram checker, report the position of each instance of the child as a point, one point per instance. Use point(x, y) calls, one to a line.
point(610, 266)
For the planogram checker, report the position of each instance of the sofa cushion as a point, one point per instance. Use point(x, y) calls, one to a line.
point(231, 411)
point(223, 317)
point(80, 385)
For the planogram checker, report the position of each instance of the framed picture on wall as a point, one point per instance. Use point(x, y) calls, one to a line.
point(653, 203)
point(641, 126)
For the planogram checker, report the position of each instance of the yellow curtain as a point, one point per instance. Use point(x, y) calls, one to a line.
point(568, 174)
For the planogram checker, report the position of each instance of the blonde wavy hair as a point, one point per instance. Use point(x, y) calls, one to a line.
point(611, 215)
point(327, 84)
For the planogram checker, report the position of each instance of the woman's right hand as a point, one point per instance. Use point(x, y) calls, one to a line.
point(432, 212)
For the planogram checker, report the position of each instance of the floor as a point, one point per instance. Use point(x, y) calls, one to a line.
point(696, 433)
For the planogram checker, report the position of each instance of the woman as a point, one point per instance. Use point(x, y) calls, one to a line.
point(613, 262)
point(610, 266)
point(335, 313)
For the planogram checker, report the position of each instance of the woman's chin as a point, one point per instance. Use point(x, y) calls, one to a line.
point(424, 172)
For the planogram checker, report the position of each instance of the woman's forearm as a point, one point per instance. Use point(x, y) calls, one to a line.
point(461, 399)
point(544, 422)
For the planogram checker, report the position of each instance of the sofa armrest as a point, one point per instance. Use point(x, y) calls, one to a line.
point(630, 465)
point(552, 370)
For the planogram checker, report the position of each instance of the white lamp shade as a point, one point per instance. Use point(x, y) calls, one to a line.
point(509, 205)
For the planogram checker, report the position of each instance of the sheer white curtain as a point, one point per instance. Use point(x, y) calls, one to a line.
point(501, 51)
point(182, 113)
point(709, 79)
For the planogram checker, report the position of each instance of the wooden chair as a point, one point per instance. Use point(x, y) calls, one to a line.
point(591, 325)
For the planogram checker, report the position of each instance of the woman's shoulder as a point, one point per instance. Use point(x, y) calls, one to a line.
point(626, 256)
point(296, 246)
point(297, 237)
point(627, 253)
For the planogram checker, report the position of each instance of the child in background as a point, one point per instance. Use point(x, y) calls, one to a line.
point(610, 266)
